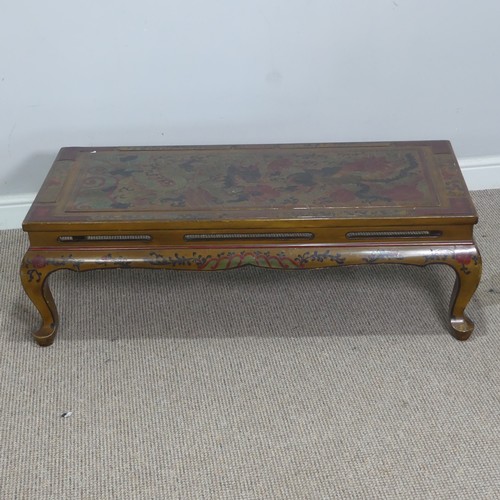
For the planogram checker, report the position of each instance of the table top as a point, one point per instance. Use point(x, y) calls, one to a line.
point(219, 186)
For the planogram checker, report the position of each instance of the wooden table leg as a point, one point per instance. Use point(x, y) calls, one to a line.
point(36, 286)
point(468, 268)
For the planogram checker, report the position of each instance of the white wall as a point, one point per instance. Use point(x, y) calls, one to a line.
point(105, 72)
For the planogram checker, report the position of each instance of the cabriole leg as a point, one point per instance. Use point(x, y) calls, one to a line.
point(35, 284)
point(468, 273)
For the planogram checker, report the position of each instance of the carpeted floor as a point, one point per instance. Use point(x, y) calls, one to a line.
point(252, 384)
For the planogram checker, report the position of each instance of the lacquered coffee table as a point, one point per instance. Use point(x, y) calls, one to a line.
point(294, 206)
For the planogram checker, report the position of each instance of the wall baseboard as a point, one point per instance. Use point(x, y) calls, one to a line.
point(480, 173)
point(13, 209)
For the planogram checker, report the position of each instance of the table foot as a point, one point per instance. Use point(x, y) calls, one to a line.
point(461, 327)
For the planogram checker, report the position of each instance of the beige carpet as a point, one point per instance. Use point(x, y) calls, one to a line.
point(252, 384)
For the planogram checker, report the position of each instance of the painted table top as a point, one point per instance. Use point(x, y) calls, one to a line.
point(320, 182)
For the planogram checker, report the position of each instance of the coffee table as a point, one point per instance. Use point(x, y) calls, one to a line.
point(289, 206)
